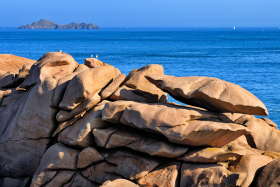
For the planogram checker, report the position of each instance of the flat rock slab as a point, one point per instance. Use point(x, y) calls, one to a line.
point(182, 125)
point(210, 93)
point(129, 94)
point(113, 137)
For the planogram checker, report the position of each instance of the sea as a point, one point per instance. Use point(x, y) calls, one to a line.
point(249, 57)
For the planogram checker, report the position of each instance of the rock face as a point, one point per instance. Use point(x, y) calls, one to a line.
point(269, 176)
point(12, 64)
point(46, 24)
point(210, 93)
point(68, 124)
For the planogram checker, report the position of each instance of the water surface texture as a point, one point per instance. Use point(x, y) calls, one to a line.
point(249, 57)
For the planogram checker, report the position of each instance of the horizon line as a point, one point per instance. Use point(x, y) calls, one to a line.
point(154, 27)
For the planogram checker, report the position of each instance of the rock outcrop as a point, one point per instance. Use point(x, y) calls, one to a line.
point(210, 93)
point(11, 64)
point(46, 24)
point(68, 124)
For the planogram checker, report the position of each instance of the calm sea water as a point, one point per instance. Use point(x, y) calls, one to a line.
point(249, 57)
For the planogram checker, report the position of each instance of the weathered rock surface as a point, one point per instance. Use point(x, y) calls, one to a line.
point(128, 94)
point(86, 84)
point(210, 93)
point(263, 136)
point(112, 87)
point(58, 129)
point(12, 64)
point(209, 175)
point(250, 164)
point(28, 120)
point(56, 157)
point(62, 85)
point(136, 80)
point(132, 165)
point(113, 137)
point(79, 134)
point(185, 126)
point(269, 175)
point(88, 156)
point(94, 63)
point(166, 175)
point(64, 115)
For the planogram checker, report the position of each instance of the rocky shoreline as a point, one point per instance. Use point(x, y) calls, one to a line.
point(69, 124)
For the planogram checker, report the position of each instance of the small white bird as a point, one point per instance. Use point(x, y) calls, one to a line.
point(60, 51)
point(91, 56)
point(96, 56)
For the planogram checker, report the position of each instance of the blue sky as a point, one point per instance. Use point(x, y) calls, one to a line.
point(144, 13)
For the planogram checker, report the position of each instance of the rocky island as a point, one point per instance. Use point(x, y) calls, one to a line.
point(66, 124)
point(46, 24)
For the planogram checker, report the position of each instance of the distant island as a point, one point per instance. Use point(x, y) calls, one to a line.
point(46, 24)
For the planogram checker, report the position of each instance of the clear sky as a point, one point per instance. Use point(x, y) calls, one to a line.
point(143, 13)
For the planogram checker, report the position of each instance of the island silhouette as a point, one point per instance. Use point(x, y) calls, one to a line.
point(46, 24)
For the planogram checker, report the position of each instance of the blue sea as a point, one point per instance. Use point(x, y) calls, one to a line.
point(249, 57)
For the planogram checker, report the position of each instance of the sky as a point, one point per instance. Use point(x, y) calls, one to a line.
point(143, 13)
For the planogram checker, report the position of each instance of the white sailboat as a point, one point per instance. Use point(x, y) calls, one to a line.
point(233, 27)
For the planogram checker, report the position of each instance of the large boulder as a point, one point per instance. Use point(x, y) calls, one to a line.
point(62, 85)
point(12, 64)
point(112, 87)
point(86, 84)
point(54, 65)
point(250, 164)
point(136, 80)
point(269, 176)
point(263, 136)
point(210, 93)
point(182, 125)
